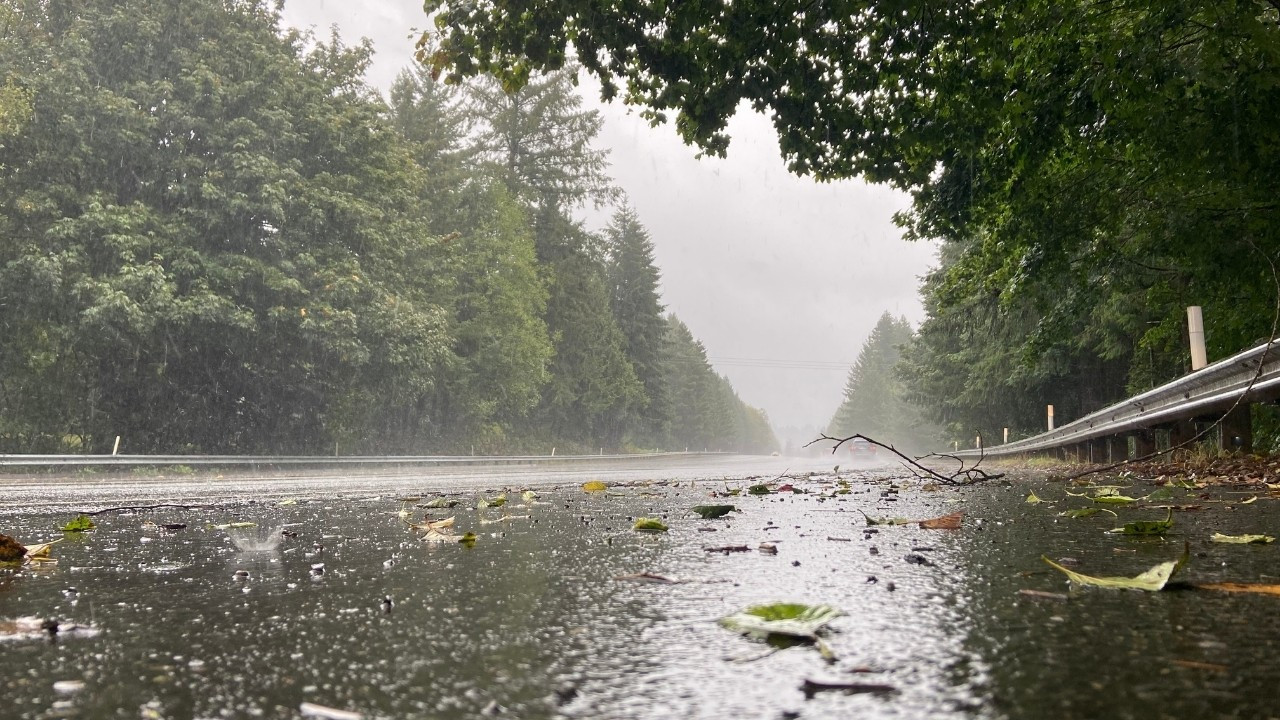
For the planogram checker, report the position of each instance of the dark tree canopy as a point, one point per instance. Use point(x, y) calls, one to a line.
point(1090, 167)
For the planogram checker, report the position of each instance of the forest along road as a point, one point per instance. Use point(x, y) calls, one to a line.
point(531, 595)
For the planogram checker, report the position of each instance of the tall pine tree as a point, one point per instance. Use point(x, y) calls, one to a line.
point(633, 285)
point(873, 400)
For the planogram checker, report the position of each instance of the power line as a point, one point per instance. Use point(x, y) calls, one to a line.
point(783, 363)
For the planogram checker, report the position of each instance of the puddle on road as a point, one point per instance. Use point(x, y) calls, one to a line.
point(531, 622)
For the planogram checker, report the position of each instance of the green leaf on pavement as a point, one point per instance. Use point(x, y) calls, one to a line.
point(1152, 580)
point(652, 524)
point(1146, 527)
point(710, 512)
point(498, 501)
point(1115, 499)
point(759, 490)
point(792, 620)
point(81, 523)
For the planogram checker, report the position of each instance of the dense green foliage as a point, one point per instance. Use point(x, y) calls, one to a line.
point(1091, 168)
point(875, 403)
point(215, 237)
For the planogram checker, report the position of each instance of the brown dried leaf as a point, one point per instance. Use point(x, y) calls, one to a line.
point(1260, 588)
point(945, 522)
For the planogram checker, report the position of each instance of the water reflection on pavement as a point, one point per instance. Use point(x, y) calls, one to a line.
point(532, 621)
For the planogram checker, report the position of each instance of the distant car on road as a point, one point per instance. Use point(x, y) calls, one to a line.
point(860, 449)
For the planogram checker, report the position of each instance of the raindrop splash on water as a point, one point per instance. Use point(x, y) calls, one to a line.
point(255, 540)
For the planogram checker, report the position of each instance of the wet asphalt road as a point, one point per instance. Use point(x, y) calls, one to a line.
point(533, 622)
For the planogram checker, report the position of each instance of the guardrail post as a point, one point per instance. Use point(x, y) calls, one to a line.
point(1236, 431)
point(1144, 443)
point(1181, 431)
point(1117, 447)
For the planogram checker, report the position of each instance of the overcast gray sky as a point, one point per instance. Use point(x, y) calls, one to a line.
point(781, 278)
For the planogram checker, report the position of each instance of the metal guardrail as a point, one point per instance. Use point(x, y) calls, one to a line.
point(321, 460)
point(1212, 389)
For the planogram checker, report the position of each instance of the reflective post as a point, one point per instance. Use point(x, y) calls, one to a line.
point(1195, 330)
point(1050, 417)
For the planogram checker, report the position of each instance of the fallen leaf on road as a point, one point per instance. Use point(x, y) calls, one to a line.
point(11, 551)
point(1115, 499)
point(81, 523)
point(433, 530)
point(945, 522)
point(789, 620)
point(1241, 539)
point(1260, 588)
point(1152, 580)
point(497, 501)
point(594, 486)
point(649, 524)
point(505, 518)
point(1146, 527)
point(711, 512)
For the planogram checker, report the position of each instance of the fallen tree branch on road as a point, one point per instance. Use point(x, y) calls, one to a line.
point(970, 475)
